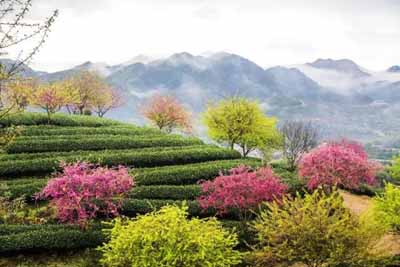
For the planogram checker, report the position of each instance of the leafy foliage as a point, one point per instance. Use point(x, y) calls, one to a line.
point(35, 163)
point(107, 99)
point(394, 168)
point(32, 118)
point(387, 207)
point(317, 231)
point(241, 190)
point(167, 238)
point(82, 191)
point(98, 143)
point(167, 113)
point(343, 164)
point(241, 122)
point(50, 97)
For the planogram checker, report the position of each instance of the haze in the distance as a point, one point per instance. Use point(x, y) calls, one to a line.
point(266, 31)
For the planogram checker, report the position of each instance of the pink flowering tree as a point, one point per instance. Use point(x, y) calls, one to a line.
point(344, 164)
point(84, 190)
point(241, 190)
point(167, 113)
point(51, 98)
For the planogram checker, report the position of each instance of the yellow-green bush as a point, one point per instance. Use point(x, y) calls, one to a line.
point(166, 238)
point(386, 207)
point(316, 230)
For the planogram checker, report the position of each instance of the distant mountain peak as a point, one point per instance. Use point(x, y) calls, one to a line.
point(141, 58)
point(395, 68)
point(340, 65)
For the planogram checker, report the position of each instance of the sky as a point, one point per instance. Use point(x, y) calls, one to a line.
point(268, 32)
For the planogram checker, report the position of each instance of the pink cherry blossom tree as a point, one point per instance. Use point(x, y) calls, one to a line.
point(84, 190)
point(167, 113)
point(241, 190)
point(344, 164)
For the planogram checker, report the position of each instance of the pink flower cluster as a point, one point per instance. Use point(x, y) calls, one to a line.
point(84, 190)
point(343, 164)
point(242, 189)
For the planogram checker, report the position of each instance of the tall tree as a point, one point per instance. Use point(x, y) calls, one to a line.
point(167, 113)
point(50, 97)
point(241, 122)
point(18, 32)
point(299, 137)
point(90, 92)
point(107, 99)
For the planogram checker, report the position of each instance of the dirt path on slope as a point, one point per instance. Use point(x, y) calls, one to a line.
point(359, 204)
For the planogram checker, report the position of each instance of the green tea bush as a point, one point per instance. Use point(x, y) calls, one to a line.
point(167, 238)
point(189, 173)
point(386, 207)
point(316, 230)
point(135, 158)
point(50, 239)
point(38, 138)
point(175, 192)
point(32, 118)
point(47, 131)
point(134, 207)
point(101, 143)
point(42, 155)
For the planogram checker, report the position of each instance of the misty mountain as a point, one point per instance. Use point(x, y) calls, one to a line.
point(394, 69)
point(342, 65)
point(344, 99)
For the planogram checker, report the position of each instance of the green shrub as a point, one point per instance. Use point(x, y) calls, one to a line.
point(92, 143)
point(43, 239)
point(39, 138)
point(47, 131)
point(133, 158)
point(167, 238)
point(32, 118)
point(188, 174)
point(134, 207)
point(165, 182)
point(394, 168)
point(175, 192)
point(83, 153)
point(52, 237)
point(316, 230)
point(386, 207)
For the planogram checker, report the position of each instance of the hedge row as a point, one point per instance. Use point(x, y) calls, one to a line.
point(167, 175)
point(174, 192)
point(134, 207)
point(119, 142)
point(46, 131)
point(30, 238)
point(187, 174)
point(32, 118)
point(138, 159)
point(43, 240)
point(56, 155)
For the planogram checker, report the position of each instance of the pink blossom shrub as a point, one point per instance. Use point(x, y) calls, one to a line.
point(84, 190)
point(344, 164)
point(242, 189)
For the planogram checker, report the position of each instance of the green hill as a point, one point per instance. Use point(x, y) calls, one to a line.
point(166, 168)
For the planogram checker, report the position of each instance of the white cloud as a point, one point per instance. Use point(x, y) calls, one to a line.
point(266, 31)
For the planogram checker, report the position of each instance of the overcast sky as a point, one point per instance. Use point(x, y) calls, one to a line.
point(269, 32)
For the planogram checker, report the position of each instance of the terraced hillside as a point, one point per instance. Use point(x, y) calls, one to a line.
point(167, 169)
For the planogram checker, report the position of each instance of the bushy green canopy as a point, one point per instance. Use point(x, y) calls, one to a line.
point(166, 238)
point(238, 121)
point(317, 231)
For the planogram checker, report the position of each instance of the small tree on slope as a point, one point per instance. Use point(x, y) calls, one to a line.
point(344, 164)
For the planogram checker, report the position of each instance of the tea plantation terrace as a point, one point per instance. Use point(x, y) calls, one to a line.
point(167, 169)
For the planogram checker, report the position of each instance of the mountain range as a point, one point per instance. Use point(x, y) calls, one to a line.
point(343, 98)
